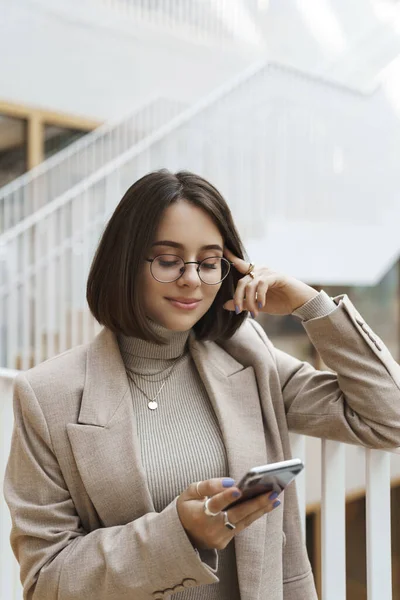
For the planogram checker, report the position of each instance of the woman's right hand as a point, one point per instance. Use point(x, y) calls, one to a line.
point(207, 532)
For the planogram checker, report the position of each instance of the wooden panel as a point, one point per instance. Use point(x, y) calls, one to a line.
point(50, 117)
point(35, 153)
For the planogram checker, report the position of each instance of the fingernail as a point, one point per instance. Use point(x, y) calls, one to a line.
point(276, 504)
point(228, 482)
point(273, 495)
point(253, 315)
point(237, 309)
point(260, 305)
point(235, 494)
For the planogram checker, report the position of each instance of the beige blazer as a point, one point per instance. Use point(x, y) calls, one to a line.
point(84, 525)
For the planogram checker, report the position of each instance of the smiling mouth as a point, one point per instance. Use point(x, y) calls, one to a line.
point(184, 303)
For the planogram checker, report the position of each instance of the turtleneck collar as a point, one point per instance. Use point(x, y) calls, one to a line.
point(175, 346)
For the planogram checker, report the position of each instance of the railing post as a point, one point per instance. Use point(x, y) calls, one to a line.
point(333, 521)
point(379, 553)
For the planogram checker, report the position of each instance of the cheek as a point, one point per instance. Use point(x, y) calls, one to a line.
point(150, 293)
point(152, 290)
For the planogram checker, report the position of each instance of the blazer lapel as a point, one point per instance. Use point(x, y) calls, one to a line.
point(233, 392)
point(104, 441)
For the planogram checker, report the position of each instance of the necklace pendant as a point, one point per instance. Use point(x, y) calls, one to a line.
point(152, 405)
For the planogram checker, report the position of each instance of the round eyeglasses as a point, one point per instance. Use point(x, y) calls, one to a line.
point(167, 268)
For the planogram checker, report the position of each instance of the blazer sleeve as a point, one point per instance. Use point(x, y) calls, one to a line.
point(148, 558)
point(359, 402)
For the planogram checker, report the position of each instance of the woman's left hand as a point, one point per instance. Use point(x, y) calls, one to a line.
point(268, 292)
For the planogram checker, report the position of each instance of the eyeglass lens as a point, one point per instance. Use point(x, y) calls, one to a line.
point(168, 267)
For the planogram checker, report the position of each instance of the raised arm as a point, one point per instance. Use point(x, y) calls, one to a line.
point(360, 401)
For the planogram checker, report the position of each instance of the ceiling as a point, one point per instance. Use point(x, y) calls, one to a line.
point(353, 42)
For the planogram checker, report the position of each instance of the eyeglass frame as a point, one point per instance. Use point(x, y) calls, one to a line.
point(190, 262)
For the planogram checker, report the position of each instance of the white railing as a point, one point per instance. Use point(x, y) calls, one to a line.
point(29, 192)
point(324, 479)
point(197, 16)
point(203, 21)
point(334, 470)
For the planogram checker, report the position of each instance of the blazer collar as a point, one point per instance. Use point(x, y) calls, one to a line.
point(106, 381)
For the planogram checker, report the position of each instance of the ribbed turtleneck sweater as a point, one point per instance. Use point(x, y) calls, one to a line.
point(180, 441)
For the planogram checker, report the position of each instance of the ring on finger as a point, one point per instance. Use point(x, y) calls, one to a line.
point(197, 490)
point(227, 522)
point(251, 275)
point(250, 269)
point(208, 511)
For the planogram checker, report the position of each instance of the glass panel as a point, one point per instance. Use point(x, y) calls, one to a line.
point(379, 305)
point(57, 138)
point(12, 148)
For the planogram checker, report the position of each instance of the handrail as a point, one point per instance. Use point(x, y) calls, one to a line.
point(28, 193)
point(8, 374)
point(176, 122)
point(197, 107)
point(76, 146)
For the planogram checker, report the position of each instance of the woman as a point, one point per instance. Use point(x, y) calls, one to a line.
point(118, 443)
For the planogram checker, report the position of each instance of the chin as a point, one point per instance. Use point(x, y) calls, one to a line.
point(177, 323)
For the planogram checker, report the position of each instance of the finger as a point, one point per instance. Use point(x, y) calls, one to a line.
point(263, 503)
point(230, 305)
point(209, 487)
point(244, 297)
point(219, 502)
point(247, 521)
point(239, 295)
point(241, 265)
point(250, 295)
point(262, 289)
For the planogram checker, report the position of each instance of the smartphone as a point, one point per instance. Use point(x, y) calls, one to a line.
point(268, 478)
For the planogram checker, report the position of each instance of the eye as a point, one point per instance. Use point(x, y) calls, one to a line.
point(211, 263)
point(168, 260)
point(167, 263)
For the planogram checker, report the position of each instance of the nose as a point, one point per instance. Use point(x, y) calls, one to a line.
point(190, 277)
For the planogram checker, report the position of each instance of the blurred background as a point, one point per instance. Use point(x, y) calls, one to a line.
point(290, 107)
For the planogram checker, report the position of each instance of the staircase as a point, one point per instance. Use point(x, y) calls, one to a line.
point(33, 190)
point(285, 149)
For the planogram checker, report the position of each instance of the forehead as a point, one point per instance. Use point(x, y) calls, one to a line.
point(187, 224)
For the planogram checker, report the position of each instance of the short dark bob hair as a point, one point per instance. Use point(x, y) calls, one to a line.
point(113, 293)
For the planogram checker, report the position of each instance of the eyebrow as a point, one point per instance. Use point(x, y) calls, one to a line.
point(181, 246)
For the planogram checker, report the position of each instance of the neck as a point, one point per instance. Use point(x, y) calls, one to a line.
point(174, 346)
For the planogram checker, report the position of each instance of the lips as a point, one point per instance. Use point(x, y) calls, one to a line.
point(184, 300)
point(184, 303)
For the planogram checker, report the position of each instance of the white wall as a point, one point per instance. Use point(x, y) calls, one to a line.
point(76, 56)
point(61, 60)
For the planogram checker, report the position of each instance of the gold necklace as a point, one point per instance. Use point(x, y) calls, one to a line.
point(149, 377)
